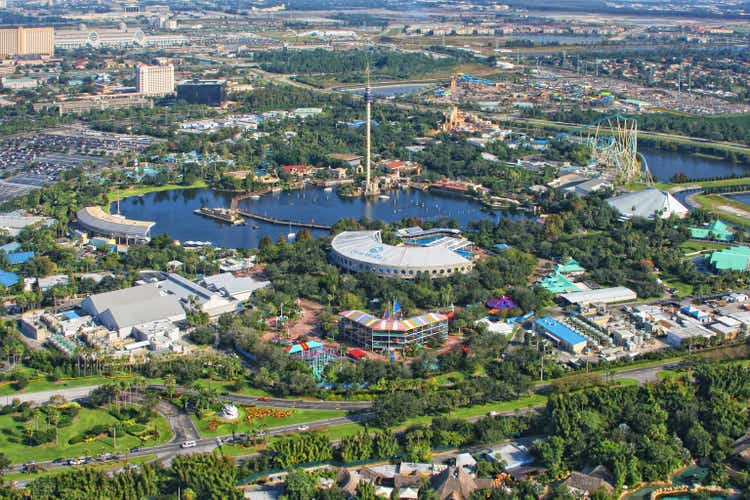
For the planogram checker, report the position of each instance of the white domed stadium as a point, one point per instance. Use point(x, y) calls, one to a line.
point(436, 253)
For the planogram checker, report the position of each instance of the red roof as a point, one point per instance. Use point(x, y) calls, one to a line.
point(291, 168)
point(356, 353)
point(395, 164)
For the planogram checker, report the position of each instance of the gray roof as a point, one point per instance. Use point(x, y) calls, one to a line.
point(233, 285)
point(133, 306)
point(139, 313)
point(184, 288)
point(366, 246)
point(97, 304)
point(601, 295)
point(647, 203)
point(100, 222)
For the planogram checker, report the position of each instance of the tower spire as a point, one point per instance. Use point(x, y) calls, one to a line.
point(368, 126)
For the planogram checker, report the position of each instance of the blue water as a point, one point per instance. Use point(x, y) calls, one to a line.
point(558, 38)
point(664, 164)
point(392, 90)
point(741, 197)
point(173, 212)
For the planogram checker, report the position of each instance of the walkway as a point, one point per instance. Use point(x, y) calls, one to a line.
point(283, 222)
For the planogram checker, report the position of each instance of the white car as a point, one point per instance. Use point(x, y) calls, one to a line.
point(189, 444)
point(303, 428)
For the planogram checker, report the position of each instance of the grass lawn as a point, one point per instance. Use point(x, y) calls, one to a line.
point(228, 386)
point(297, 417)
point(711, 202)
point(683, 289)
point(45, 385)
point(517, 404)
point(692, 246)
point(119, 194)
point(448, 378)
point(12, 436)
point(112, 465)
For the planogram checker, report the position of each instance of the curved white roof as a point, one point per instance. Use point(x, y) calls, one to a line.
point(96, 219)
point(646, 203)
point(367, 247)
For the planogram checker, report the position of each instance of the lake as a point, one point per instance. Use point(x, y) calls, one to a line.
point(173, 212)
point(664, 164)
point(741, 197)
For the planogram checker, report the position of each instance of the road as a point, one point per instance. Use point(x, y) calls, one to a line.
point(167, 451)
point(641, 374)
point(184, 428)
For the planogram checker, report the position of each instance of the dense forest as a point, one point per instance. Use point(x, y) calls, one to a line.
point(729, 128)
point(638, 433)
point(349, 65)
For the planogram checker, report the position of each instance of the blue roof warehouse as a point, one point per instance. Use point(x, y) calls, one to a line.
point(561, 335)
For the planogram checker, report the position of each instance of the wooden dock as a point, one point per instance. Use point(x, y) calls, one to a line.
point(282, 222)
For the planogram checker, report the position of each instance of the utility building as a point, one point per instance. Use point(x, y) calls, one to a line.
point(561, 335)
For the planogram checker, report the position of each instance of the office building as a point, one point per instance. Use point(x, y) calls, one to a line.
point(208, 92)
point(154, 80)
point(27, 41)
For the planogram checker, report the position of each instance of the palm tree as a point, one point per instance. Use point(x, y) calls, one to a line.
point(171, 383)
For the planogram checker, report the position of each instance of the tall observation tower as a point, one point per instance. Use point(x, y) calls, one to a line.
point(369, 188)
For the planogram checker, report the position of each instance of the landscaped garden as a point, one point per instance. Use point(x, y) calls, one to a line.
point(65, 429)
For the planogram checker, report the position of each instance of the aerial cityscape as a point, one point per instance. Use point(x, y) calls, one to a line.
point(362, 249)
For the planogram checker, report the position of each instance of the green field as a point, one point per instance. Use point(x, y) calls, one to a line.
point(691, 246)
point(712, 202)
point(12, 436)
point(119, 194)
point(45, 385)
point(228, 386)
point(240, 425)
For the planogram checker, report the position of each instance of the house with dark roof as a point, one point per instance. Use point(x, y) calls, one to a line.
point(456, 483)
point(583, 485)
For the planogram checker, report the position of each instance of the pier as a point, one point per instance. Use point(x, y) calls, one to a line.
point(282, 222)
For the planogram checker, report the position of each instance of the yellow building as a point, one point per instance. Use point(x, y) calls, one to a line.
point(27, 41)
point(154, 80)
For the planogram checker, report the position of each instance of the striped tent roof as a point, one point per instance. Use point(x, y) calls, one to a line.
point(392, 325)
point(303, 346)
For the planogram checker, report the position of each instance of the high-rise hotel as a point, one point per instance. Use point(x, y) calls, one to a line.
point(27, 41)
point(154, 80)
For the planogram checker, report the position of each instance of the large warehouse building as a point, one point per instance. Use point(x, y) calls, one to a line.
point(434, 256)
point(126, 309)
point(610, 295)
point(561, 335)
point(97, 221)
point(386, 335)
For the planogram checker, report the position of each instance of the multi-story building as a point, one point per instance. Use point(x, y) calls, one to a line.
point(209, 92)
point(27, 41)
point(154, 80)
point(385, 335)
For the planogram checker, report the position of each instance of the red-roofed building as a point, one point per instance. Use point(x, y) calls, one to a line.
point(357, 353)
point(403, 167)
point(458, 186)
point(298, 170)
